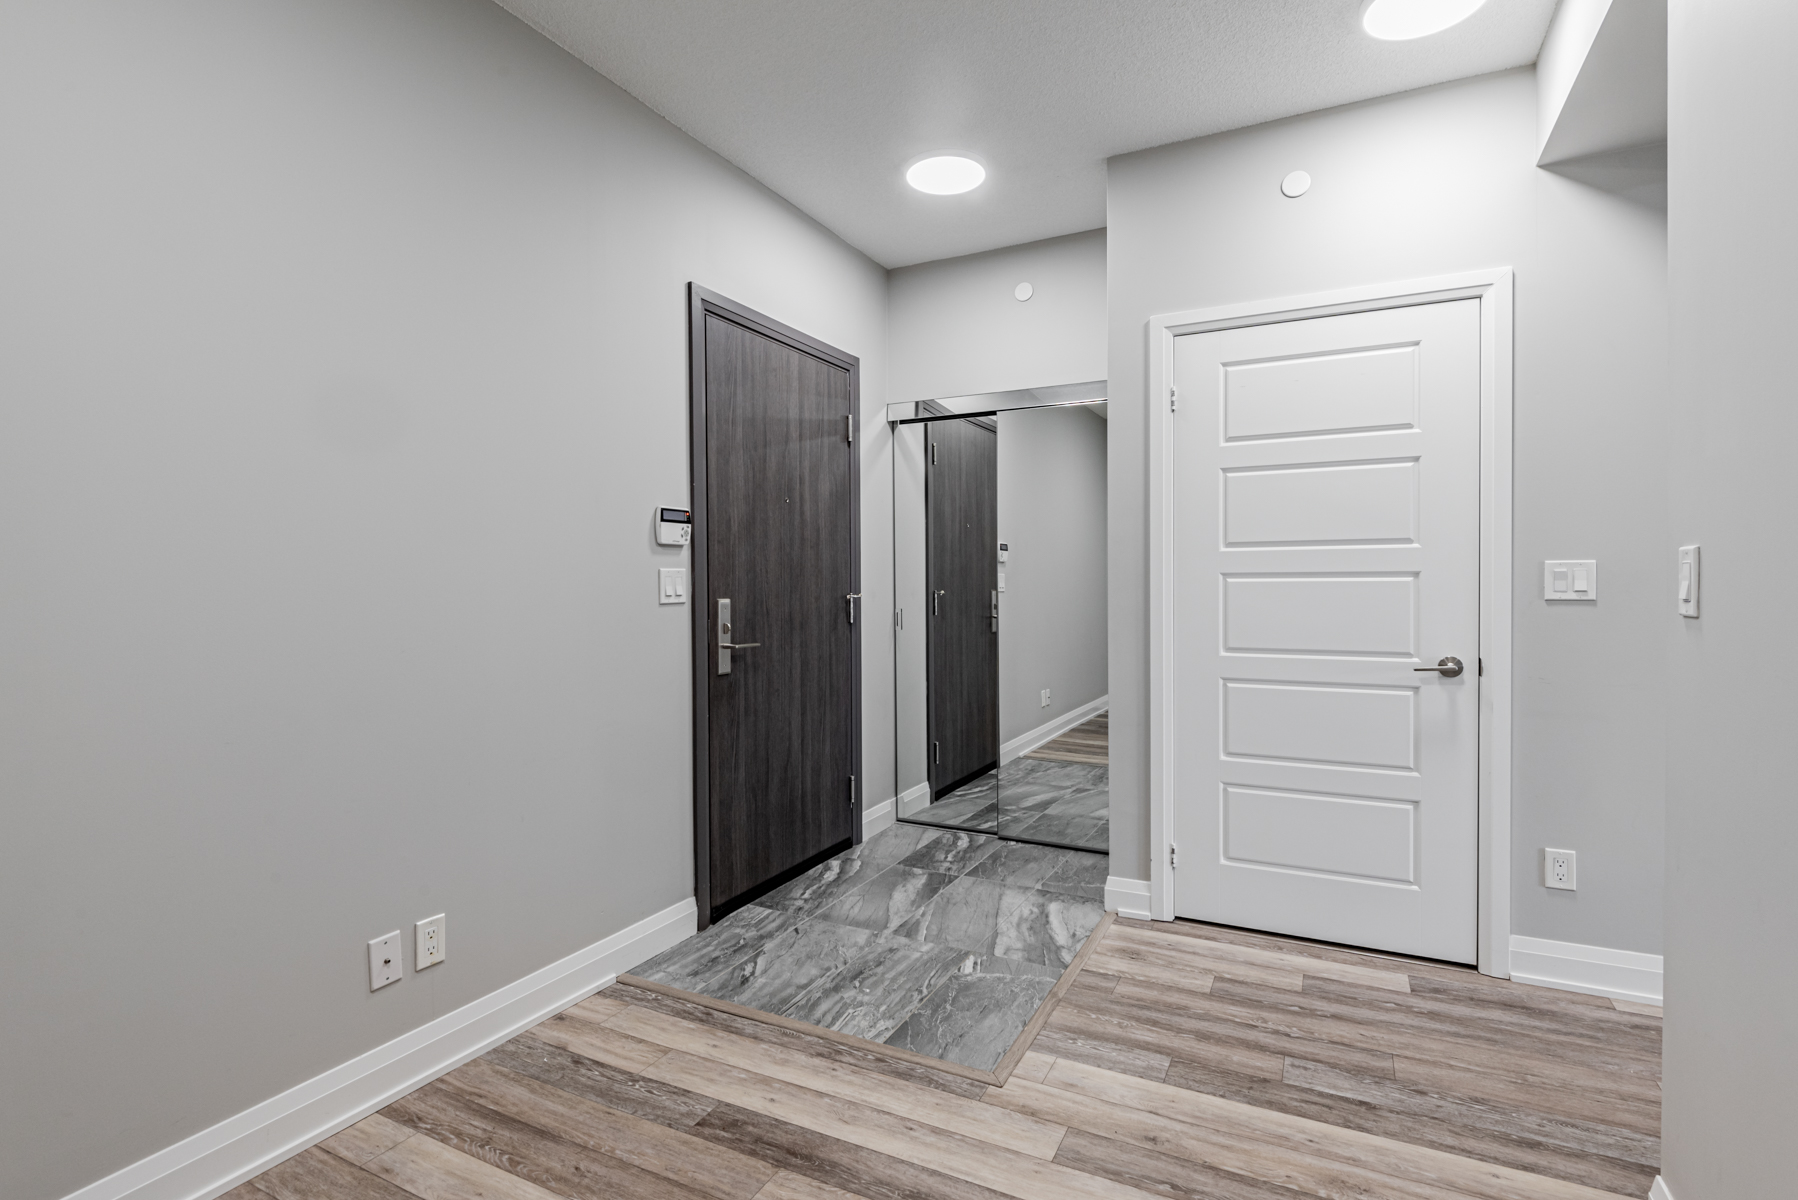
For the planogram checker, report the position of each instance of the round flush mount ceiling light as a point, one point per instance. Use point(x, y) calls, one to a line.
point(1402, 20)
point(945, 175)
point(1295, 185)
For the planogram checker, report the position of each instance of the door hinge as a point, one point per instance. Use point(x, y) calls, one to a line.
point(1173, 855)
point(933, 454)
point(1482, 666)
point(898, 618)
point(1173, 399)
point(852, 791)
point(936, 752)
point(851, 598)
point(849, 422)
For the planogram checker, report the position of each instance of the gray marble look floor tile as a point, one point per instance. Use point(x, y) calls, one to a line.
point(984, 819)
point(891, 899)
point(972, 806)
point(785, 966)
point(1092, 834)
point(973, 1019)
point(1072, 872)
point(1081, 802)
point(873, 993)
point(996, 964)
point(890, 845)
point(952, 853)
point(1032, 783)
point(713, 952)
point(965, 915)
point(823, 885)
point(1044, 927)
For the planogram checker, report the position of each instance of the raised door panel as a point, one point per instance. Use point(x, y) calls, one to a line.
point(1356, 392)
point(1357, 503)
point(1350, 838)
point(1333, 616)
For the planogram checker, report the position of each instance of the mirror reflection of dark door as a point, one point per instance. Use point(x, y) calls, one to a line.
point(962, 532)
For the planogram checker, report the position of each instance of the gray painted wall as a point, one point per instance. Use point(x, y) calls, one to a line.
point(1731, 1060)
point(956, 328)
point(1052, 630)
point(1422, 184)
point(343, 347)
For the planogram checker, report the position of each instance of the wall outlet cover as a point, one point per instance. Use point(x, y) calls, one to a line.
point(1046, 700)
point(1559, 870)
point(430, 947)
point(384, 961)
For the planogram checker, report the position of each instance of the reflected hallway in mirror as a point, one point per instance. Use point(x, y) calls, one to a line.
point(1000, 620)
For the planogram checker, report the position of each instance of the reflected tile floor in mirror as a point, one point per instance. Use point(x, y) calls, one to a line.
point(937, 941)
point(1058, 793)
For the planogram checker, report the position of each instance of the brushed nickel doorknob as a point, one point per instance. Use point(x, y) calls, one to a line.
point(1449, 667)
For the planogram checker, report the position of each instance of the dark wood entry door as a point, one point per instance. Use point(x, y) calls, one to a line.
point(776, 522)
point(962, 531)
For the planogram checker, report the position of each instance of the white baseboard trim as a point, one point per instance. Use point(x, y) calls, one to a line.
point(913, 799)
point(1127, 897)
point(1594, 970)
point(1660, 1190)
point(1024, 743)
point(216, 1160)
point(877, 818)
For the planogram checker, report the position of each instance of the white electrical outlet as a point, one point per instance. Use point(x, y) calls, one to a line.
point(430, 947)
point(1558, 870)
point(1046, 700)
point(384, 961)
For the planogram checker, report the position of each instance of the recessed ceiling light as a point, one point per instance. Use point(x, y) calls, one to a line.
point(1402, 20)
point(945, 175)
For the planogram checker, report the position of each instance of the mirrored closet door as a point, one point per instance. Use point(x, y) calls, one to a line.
point(999, 615)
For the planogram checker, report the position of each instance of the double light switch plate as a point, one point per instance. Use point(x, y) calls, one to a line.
point(1570, 579)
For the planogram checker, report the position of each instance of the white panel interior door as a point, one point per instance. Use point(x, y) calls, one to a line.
point(1326, 546)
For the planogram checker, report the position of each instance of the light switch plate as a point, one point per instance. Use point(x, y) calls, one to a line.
point(1688, 581)
point(673, 581)
point(1570, 579)
point(384, 961)
point(430, 942)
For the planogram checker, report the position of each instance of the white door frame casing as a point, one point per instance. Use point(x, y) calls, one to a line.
point(1493, 289)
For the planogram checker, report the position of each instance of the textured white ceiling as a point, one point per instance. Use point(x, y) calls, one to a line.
point(827, 101)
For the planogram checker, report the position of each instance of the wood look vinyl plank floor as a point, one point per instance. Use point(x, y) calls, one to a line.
point(1088, 742)
point(1185, 1062)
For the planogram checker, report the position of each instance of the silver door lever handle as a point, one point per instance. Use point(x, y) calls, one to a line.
point(1449, 667)
point(738, 645)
